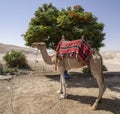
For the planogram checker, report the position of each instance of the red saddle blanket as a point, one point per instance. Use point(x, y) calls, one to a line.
point(73, 48)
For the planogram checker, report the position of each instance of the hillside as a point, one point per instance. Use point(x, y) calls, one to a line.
point(110, 58)
point(4, 48)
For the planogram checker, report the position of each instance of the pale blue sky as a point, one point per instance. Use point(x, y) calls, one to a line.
point(15, 16)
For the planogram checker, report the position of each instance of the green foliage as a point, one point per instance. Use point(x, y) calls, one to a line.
point(9, 70)
point(104, 68)
point(1, 69)
point(87, 69)
point(15, 59)
point(49, 23)
point(6, 70)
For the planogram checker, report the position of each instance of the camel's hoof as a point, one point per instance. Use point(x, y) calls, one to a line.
point(63, 96)
point(59, 92)
point(93, 107)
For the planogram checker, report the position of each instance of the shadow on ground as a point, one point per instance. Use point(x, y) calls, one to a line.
point(107, 104)
point(81, 80)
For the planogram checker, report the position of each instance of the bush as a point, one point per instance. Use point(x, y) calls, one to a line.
point(5, 70)
point(1, 69)
point(104, 68)
point(87, 69)
point(10, 71)
point(15, 59)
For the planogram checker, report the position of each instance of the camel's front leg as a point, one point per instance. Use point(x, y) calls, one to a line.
point(63, 94)
point(60, 90)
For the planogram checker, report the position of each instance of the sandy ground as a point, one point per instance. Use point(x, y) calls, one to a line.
point(34, 92)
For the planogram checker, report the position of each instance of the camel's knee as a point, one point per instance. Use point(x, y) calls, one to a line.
point(102, 84)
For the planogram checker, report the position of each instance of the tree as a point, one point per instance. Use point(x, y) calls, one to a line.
point(49, 23)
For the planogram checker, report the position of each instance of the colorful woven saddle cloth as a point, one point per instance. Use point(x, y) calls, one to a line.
point(76, 48)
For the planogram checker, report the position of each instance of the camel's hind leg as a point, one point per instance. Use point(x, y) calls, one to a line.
point(96, 69)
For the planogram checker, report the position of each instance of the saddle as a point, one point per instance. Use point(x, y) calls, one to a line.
point(76, 48)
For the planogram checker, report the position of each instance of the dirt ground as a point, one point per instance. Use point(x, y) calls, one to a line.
point(34, 92)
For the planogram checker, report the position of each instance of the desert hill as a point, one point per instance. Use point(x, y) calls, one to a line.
point(4, 48)
point(110, 58)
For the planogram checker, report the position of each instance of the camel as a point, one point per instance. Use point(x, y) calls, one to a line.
point(94, 62)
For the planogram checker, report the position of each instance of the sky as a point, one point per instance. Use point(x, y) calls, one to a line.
point(15, 16)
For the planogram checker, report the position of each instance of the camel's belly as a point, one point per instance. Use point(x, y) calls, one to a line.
point(69, 63)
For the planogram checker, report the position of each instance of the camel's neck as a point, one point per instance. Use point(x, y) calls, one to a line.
point(47, 59)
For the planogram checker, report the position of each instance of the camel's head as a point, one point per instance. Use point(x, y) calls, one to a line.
point(39, 45)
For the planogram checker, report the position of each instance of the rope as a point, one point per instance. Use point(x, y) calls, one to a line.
point(36, 57)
